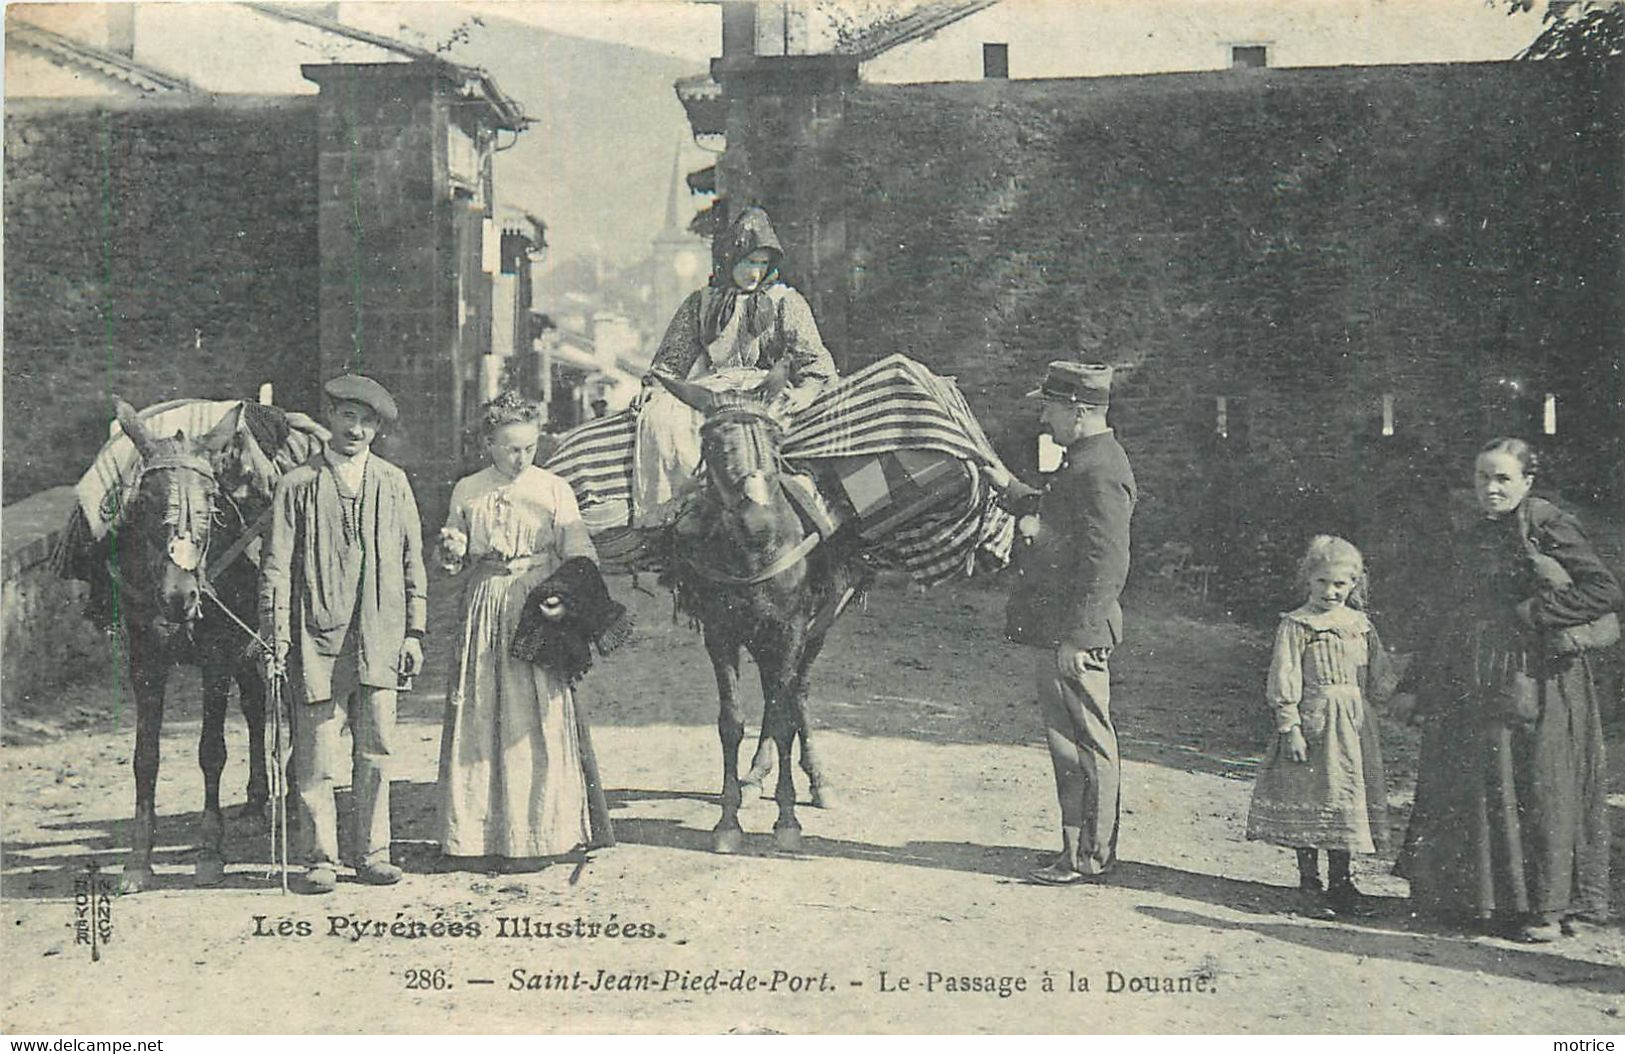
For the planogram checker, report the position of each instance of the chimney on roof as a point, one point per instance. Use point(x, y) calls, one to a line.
point(738, 29)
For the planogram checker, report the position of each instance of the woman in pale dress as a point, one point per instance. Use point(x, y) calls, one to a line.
point(724, 337)
point(518, 780)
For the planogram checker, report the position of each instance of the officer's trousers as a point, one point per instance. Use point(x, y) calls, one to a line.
point(1083, 750)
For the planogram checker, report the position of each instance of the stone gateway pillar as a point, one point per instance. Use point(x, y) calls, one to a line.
point(785, 121)
point(409, 247)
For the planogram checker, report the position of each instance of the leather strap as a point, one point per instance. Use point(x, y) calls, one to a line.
point(237, 548)
point(792, 556)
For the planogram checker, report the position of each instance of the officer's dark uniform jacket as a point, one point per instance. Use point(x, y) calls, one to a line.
point(1069, 578)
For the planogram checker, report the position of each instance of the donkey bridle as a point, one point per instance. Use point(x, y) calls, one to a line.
point(211, 570)
point(790, 556)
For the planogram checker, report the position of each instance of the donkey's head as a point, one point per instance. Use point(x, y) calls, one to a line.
point(165, 528)
point(739, 446)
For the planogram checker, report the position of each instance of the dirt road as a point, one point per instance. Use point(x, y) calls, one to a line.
point(903, 913)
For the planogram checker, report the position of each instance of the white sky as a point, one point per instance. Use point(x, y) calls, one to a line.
point(682, 28)
point(685, 29)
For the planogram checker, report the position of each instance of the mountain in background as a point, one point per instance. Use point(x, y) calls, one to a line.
point(596, 165)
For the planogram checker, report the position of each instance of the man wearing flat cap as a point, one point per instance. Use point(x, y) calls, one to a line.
point(1065, 605)
point(344, 597)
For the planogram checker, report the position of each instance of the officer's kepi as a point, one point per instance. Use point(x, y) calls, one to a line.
point(1076, 382)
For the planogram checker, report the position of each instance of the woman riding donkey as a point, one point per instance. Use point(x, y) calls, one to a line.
point(724, 338)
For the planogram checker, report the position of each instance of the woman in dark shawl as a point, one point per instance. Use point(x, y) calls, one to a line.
point(1510, 828)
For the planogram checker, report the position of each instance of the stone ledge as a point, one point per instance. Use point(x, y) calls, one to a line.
point(29, 529)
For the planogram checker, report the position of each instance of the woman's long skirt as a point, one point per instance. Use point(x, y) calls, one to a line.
point(518, 777)
point(667, 450)
point(1511, 819)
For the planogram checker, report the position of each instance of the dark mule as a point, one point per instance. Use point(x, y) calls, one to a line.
point(195, 498)
point(756, 577)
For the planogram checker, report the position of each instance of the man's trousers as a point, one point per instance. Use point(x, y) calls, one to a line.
point(316, 766)
point(1083, 749)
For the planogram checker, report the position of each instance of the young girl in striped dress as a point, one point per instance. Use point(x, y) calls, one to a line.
point(1321, 784)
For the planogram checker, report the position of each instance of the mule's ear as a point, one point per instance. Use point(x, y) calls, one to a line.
point(221, 435)
point(132, 426)
point(702, 399)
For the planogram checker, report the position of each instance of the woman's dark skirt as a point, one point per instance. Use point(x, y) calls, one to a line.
point(1511, 818)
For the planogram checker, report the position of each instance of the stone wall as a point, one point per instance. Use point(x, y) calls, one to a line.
point(406, 295)
point(786, 128)
point(1300, 243)
point(152, 253)
point(45, 641)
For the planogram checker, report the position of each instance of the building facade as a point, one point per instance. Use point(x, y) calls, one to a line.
point(1027, 39)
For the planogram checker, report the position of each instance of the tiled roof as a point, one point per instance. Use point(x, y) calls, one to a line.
point(916, 25)
point(701, 94)
point(475, 80)
point(72, 54)
point(703, 181)
point(294, 13)
point(702, 101)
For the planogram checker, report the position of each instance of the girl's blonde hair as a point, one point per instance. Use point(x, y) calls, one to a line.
point(1328, 550)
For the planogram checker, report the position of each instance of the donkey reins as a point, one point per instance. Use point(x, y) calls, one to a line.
point(743, 414)
point(757, 448)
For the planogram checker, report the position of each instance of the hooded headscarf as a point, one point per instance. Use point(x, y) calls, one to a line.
point(749, 232)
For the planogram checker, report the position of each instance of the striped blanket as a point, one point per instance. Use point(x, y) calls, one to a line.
point(895, 404)
point(271, 443)
point(596, 460)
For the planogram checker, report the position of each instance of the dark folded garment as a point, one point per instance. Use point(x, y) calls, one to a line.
point(591, 616)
